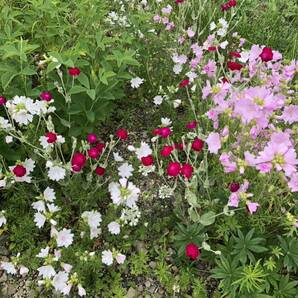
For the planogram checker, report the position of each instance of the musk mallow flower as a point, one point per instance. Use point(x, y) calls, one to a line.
point(252, 207)
point(114, 228)
point(55, 172)
point(214, 143)
point(64, 238)
point(107, 257)
point(46, 271)
point(290, 114)
point(93, 219)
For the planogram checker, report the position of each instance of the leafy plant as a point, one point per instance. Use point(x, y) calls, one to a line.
point(290, 251)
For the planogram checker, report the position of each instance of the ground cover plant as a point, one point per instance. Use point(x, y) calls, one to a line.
point(149, 148)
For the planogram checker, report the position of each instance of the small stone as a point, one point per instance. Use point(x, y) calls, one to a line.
point(140, 288)
point(131, 293)
point(147, 284)
point(152, 264)
point(151, 289)
point(4, 251)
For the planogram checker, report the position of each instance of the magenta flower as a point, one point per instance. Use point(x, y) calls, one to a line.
point(210, 69)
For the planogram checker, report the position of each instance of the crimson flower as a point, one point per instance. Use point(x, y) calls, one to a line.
point(78, 160)
point(122, 134)
point(266, 55)
point(192, 251)
point(147, 160)
point(74, 71)
point(166, 151)
point(93, 153)
point(51, 137)
point(91, 138)
point(234, 65)
point(234, 186)
point(2, 100)
point(187, 170)
point(184, 83)
point(174, 169)
point(197, 145)
point(19, 171)
point(45, 95)
point(100, 171)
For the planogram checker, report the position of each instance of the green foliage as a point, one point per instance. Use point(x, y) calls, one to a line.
point(290, 250)
point(246, 246)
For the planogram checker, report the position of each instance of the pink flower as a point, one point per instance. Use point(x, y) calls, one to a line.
point(174, 169)
point(91, 138)
point(2, 100)
point(210, 69)
point(234, 199)
point(51, 137)
point(122, 134)
point(227, 162)
point(46, 95)
point(192, 251)
point(93, 153)
point(165, 132)
point(266, 55)
point(197, 145)
point(147, 160)
point(187, 170)
point(213, 142)
point(78, 160)
point(293, 183)
point(74, 71)
point(252, 207)
point(166, 151)
point(190, 33)
point(19, 171)
point(290, 114)
point(100, 171)
point(156, 18)
point(192, 124)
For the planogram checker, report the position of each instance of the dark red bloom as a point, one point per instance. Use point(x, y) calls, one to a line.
point(192, 251)
point(212, 49)
point(179, 1)
point(19, 171)
point(235, 54)
point(166, 151)
point(165, 132)
point(46, 95)
point(147, 160)
point(184, 83)
point(234, 186)
point(2, 100)
point(232, 3)
point(100, 171)
point(178, 146)
point(78, 159)
point(76, 168)
point(51, 137)
point(224, 80)
point(187, 170)
point(91, 138)
point(197, 144)
point(74, 71)
point(122, 134)
point(93, 153)
point(224, 7)
point(174, 169)
point(266, 55)
point(192, 124)
point(234, 65)
point(156, 131)
point(100, 147)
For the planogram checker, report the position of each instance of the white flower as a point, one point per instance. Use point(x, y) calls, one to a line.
point(21, 109)
point(165, 191)
point(166, 121)
point(64, 238)
point(46, 271)
point(44, 252)
point(8, 267)
point(177, 68)
point(130, 216)
point(136, 82)
point(120, 258)
point(2, 183)
point(131, 148)
point(176, 103)
point(179, 59)
point(56, 173)
point(244, 56)
point(212, 26)
point(125, 171)
point(23, 270)
point(114, 228)
point(158, 99)
point(39, 219)
point(191, 75)
point(224, 24)
point(60, 281)
point(39, 206)
point(224, 44)
point(221, 32)
point(94, 232)
point(49, 194)
point(4, 124)
point(8, 139)
point(2, 219)
point(93, 218)
point(53, 208)
point(124, 193)
point(81, 290)
point(107, 257)
point(143, 151)
point(117, 157)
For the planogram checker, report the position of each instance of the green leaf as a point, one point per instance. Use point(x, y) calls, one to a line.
point(194, 216)
point(77, 89)
point(52, 66)
point(28, 71)
point(91, 93)
point(83, 79)
point(90, 116)
point(208, 218)
point(65, 123)
point(6, 78)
